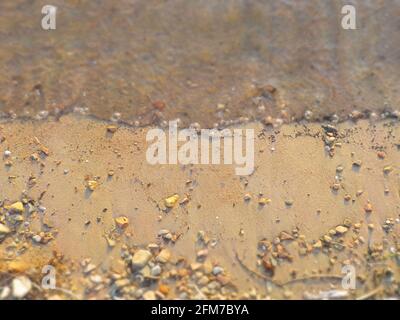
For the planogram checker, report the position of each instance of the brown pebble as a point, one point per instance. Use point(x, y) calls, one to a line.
point(368, 207)
point(122, 222)
point(381, 155)
point(159, 105)
point(164, 289)
point(336, 186)
point(112, 128)
point(267, 264)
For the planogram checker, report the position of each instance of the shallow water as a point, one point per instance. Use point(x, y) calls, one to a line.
point(129, 56)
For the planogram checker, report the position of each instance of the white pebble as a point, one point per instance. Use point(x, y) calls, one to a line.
point(21, 287)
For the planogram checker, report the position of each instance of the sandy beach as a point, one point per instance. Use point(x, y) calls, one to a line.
point(84, 214)
point(286, 231)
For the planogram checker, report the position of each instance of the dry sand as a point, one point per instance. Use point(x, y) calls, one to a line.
point(292, 165)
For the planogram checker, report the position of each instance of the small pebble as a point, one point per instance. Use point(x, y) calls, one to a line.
point(289, 202)
point(171, 201)
point(140, 259)
point(21, 286)
point(341, 229)
point(122, 222)
point(217, 270)
point(156, 271)
point(368, 207)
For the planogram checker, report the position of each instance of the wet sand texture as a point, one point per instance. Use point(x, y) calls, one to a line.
point(159, 60)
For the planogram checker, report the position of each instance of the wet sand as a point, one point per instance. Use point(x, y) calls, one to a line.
point(151, 61)
point(311, 193)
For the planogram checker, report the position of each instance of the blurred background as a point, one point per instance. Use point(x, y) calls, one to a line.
point(205, 62)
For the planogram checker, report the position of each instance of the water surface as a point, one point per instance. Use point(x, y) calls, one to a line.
point(157, 60)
